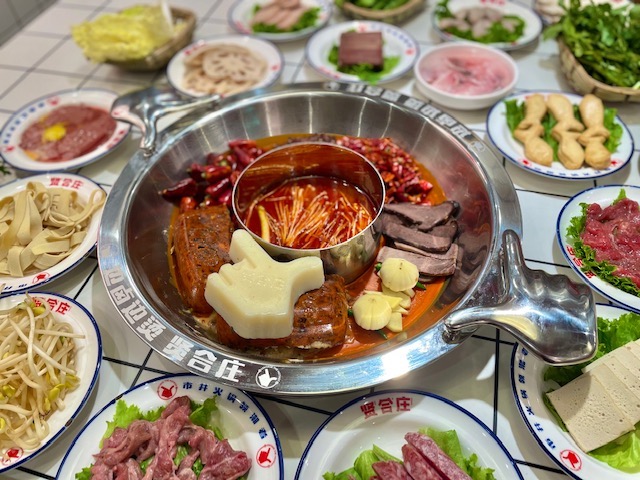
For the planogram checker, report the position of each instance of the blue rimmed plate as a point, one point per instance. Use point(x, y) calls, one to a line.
point(242, 12)
point(396, 42)
point(11, 133)
point(383, 418)
point(83, 187)
point(243, 422)
point(604, 196)
point(527, 381)
point(88, 358)
point(501, 137)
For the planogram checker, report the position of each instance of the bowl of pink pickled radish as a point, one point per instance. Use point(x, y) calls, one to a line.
point(465, 75)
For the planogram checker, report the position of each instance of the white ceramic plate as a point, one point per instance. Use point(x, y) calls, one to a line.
point(501, 137)
point(242, 12)
point(12, 131)
point(532, 26)
point(83, 186)
point(89, 358)
point(383, 418)
point(244, 423)
point(527, 381)
point(604, 196)
point(397, 42)
point(262, 48)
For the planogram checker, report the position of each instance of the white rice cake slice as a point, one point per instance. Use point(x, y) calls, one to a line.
point(623, 397)
point(589, 413)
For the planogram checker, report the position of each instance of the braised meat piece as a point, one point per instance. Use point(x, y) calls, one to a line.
point(360, 47)
point(201, 240)
point(320, 321)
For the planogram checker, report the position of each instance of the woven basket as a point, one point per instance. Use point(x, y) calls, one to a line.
point(161, 56)
point(394, 16)
point(584, 83)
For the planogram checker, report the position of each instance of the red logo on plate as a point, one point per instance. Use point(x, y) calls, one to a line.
point(167, 389)
point(571, 459)
point(9, 148)
point(53, 101)
point(11, 455)
point(41, 277)
point(266, 456)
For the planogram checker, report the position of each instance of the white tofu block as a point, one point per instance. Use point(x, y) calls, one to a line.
point(623, 397)
point(634, 347)
point(589, 413)
point(626, 376)
point(628, 359)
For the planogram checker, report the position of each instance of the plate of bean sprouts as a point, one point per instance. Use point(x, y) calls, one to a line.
point(50, 356)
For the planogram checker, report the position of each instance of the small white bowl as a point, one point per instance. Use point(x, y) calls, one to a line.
point(478, 77)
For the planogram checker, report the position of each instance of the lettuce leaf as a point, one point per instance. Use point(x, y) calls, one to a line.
point(623, 454)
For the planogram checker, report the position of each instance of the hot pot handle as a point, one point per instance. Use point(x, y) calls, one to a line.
point(554, 317)
point(143, 108)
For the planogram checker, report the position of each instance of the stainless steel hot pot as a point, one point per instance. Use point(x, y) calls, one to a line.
point(552, 316)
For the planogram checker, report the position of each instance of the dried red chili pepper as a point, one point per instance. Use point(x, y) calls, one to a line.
point(225, 197)
point(185, 187)
point(212, 173)
point(216, 188)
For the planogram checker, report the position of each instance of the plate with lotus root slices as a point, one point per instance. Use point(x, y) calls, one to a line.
point(560, 135)
point(225, 66)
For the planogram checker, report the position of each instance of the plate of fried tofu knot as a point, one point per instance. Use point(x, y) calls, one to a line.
point(362, 51)
point(560, 135)
point(586, 417)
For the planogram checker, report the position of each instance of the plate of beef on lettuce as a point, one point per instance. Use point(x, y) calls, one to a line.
point(404, 434)
point(177, 426)
point(533, 380)
point(597, 231)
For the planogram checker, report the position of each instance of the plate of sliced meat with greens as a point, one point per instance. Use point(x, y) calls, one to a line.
point(597, 231)
point(405, 434)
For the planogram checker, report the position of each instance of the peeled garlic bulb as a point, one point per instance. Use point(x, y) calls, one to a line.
point(398, 274)
point(371, 312)
point(404, 300)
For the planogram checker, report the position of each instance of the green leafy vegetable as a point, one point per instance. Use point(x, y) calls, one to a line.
point(364, 71)
point(623, 453)
point(497, 32)
point(515, 112)
point(604, 39)
point(447, 440)
point(603, 270)
point(308, 19)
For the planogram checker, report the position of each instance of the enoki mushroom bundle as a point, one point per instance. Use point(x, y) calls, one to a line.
point(41, 226)
point(224, 69)
point(37, 369)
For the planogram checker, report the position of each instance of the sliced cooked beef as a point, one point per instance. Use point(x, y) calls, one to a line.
point(360, 48)
point(173, 428)
point(414, 238)
point(390, 470)
point(448, 230)
point(320, 321)
point(425, 217)
point(440, 461)
point(429, 264)
point(201, 240)
point(417, 465)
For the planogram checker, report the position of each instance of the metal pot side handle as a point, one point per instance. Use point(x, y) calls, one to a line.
point(554, 317)
point(143, 108)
